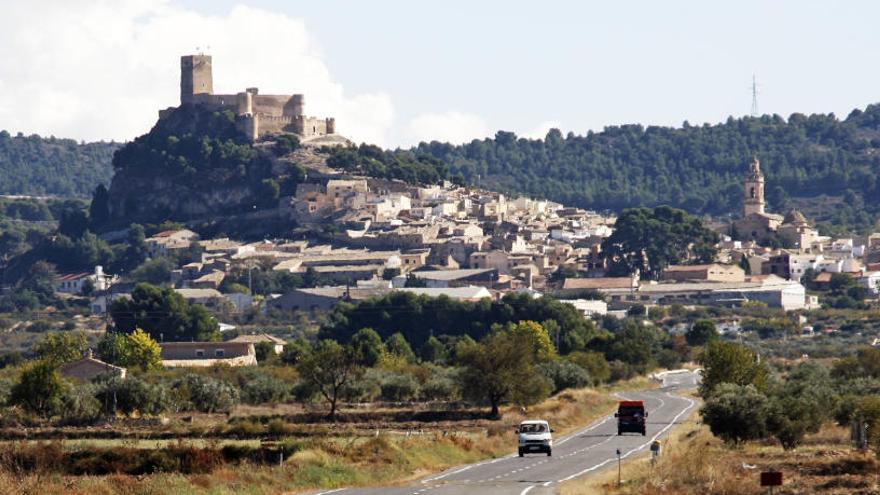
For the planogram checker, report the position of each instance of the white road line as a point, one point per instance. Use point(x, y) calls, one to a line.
point(526, 490)
point(330, 491)
point(691, 404)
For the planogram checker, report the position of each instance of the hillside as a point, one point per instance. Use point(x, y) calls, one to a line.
point(48, 166)
point(192, 164)
point(696, 168)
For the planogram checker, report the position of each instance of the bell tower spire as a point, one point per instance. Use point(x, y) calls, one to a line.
point(754, 189)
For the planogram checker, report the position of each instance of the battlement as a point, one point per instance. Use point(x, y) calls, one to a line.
point(256, 114)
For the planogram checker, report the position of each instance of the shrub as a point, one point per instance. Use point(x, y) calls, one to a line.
point(364, 389)
point(442, 385)
point(39, 388)
point(208, 394)
point(595, 364)
point(263, 389)
point(131, 394)
point(78, 404)
point(736, 413)
point(399, 387)
point(564, 374)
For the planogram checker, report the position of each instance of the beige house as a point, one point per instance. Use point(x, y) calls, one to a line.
point(714, 272)
point(204, 354)
point(88, 368)
point(277, 343)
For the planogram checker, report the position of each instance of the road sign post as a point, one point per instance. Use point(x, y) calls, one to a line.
point(655, 452)
point(771, 479)
point(618, 467)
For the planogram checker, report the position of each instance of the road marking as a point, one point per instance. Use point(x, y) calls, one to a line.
point(691, 404)
point(330, 491)
point(526, 490)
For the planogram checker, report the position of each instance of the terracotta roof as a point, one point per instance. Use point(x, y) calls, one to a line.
point(823, 277)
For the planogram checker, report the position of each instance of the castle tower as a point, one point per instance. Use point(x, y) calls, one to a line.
point(195, 77)
point(754, 198)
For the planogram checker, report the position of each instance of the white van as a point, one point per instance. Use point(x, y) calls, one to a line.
point(535, 436)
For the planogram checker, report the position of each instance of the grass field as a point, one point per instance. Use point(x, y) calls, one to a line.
point(332, 459)
point(696, 463)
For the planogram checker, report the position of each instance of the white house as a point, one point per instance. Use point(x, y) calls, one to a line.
point(74, 283)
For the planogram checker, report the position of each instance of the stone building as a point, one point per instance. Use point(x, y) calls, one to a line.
point(793, 230)
point(256, 115)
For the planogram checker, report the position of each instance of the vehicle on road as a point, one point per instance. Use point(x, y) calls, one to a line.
point(535, 436)
point(631, 417)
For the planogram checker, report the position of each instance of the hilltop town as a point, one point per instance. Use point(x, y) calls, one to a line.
point(253, 277)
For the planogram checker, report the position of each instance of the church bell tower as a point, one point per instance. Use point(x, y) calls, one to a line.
point(754, 199)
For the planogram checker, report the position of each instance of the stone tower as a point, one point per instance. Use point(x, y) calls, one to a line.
point(754, 199)
point(195, 77)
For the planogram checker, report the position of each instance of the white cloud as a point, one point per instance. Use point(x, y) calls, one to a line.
point(454, 127)
point(101, 70)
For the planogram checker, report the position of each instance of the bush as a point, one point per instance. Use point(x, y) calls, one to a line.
point(131, 394)
point(399, 388)
point(364, 389)
point(618, 370)
point(207, 394)
point(79, 404)
point(594, 363)
point(263, 389)
point(736, 413)
point(564, 374)
point(442, 385)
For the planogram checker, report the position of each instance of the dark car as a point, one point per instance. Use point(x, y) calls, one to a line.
point(631, 416)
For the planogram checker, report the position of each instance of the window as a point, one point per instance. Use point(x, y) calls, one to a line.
point(200, 353)
point(219, 352)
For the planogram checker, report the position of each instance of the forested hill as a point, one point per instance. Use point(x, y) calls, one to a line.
point(38, 166)
point(699, 169)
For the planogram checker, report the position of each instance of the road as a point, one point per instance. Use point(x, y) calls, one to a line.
point(578, 454)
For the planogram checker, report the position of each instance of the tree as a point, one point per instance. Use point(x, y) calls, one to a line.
point(61, 347)
point(433, 351)
point(368, 347)
point(736, 413)
point(329, 367)
point(99, 209)
point(155, 271)
point(648, 240)
point(701, 333)
point(131, 394)
point(727, 362)
point(164, 314)
point(801, 405)
point(594, 363)
point(501, 368)
point(39, 388)
point(134, 350)
point(397, 346)
point(538, 338)
point(564, 374)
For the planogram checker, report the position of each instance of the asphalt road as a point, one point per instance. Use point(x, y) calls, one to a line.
point(579, 454)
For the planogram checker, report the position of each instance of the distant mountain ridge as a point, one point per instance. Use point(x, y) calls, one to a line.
point(49, 166)
point(697, 168)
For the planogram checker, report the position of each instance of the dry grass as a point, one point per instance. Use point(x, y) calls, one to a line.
point(341, 459)
point(696, 463)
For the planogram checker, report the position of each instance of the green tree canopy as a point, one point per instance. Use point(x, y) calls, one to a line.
point(164, 314)
point(649, 240)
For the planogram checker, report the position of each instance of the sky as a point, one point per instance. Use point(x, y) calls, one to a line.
point(396, 72)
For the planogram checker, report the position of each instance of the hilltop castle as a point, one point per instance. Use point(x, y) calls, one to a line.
point(256, 115)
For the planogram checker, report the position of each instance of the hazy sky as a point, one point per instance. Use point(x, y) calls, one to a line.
point(396, 72)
